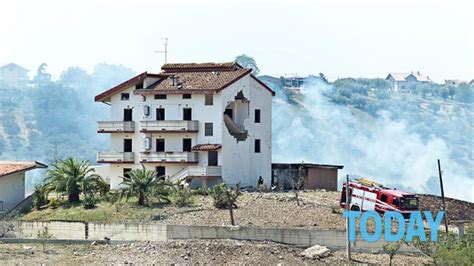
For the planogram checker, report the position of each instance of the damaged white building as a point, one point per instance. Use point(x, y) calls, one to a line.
point(205, 123)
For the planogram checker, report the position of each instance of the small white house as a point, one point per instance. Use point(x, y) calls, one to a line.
point(401, 82)
point(13, 75)
point(202, 123)
point(12, 182)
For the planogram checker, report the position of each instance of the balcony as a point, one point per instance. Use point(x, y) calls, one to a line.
point(115, 157)
point(169, 126)
point(169, 157)
point(115, 126)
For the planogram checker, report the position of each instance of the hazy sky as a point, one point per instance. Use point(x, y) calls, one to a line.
point(338, 38)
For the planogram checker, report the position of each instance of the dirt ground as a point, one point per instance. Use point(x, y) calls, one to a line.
point(182, 252)
point(276, 210)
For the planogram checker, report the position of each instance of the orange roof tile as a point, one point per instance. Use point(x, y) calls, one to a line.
point(207, 147)
point(10, 167)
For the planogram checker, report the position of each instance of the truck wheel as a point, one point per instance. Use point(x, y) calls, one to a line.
point(355, 208)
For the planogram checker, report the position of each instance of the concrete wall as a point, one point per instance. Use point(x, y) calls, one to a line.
point(162, 232)
point(12, 190)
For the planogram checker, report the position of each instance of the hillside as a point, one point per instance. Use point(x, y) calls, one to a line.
point(394, 138)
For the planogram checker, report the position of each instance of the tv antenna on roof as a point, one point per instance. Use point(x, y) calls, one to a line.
point(166, 49)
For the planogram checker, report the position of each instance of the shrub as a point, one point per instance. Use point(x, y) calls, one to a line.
point(89, 202)
point(391, 249)
point(40, 196)
point(219, 194)
point(182, 197)
point(53, 203)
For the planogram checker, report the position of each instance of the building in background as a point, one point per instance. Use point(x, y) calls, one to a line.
point(13, 75)
point(403, 82)
point(316, 176)
point(202, 123)
point(12, 182)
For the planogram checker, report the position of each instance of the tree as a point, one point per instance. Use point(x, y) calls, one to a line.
point(444, 93)
point(143, 184)
point(323, 78)
point(451, 91)
point(40, 196)
point(42, 77)
point(76, 78)
point(391, 249)
point(297, 185)
point(225, 197)
point(72, 177)
point(247, 62)
point(465, 93)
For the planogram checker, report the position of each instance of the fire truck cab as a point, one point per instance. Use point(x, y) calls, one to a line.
point(368, 195)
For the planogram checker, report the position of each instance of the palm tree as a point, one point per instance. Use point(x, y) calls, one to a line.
point(143, 184)
point(73, 176)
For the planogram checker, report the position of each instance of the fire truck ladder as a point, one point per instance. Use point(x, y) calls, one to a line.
point(369, 183)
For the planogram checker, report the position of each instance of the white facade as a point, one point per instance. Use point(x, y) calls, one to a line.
point(237, 161)
point(12, 182)
point(12, 190)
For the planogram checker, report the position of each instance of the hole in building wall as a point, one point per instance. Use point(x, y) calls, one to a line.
point(235, 114)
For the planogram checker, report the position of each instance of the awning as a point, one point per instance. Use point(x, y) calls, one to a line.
point(207, 147)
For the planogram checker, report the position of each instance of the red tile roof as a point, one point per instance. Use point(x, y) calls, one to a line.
point(207, 147)
point(10, 167)
point(190, 77)
point(200, 67)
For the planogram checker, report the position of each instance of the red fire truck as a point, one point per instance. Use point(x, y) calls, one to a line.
point(368, 195)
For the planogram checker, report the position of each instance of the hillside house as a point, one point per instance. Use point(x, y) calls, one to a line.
point(201, 123)
point(404, 82)
point(13, 75)
point(316, 176)
point(12, 182)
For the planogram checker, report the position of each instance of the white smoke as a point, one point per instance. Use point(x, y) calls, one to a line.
point(317, 131)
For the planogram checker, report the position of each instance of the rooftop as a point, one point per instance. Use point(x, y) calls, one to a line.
point(181, 78)
point(306, 165)
point(10, 167)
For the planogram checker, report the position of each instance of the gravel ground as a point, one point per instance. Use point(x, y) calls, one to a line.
point(276, 210)
point(182, 252)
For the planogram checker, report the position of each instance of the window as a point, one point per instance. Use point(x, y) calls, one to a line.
point(384, 198)
point(160, 113)
point(160, 145)
point(125, 96)
point(127, 145)
point(187, 114)
point(126, 171)
point(395, 202)
point(209, 99)
point(160, 172)
point(257, 115)
point(208, 129)
point(160, 96)
point(187, 145)
point(257, 146)
point(139, 86)
point(127, 114)
point(186, 96)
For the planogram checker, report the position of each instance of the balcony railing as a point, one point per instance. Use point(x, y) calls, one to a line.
point(169, 126)
point(115, 157)
point(169, 157)
point(115, 126)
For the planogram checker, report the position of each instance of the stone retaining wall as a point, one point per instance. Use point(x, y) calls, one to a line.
point(161, 232)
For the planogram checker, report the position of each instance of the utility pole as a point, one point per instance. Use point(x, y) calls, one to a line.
point(348, 247)
point(165, 51)
point(442, 196)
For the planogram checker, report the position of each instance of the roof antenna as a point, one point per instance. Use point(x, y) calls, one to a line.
point(166, 49)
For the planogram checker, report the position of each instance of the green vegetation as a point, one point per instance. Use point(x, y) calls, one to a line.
point(391, 249)
point(144, 184)
point(73, 177)
point(182, 197)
